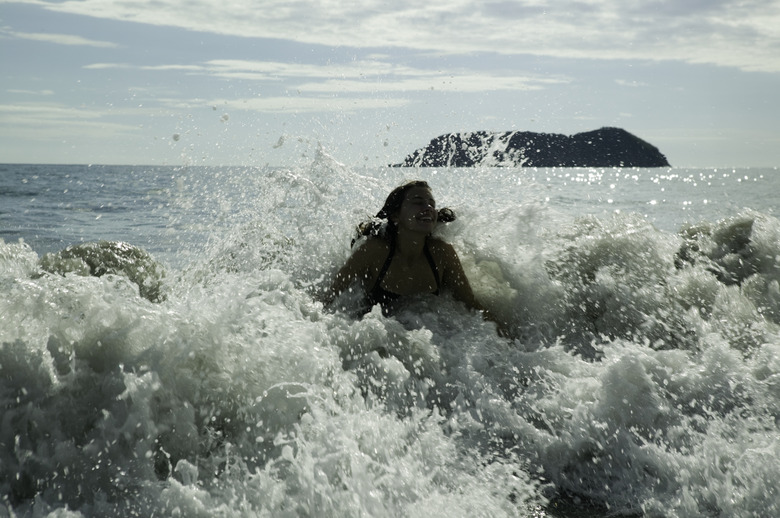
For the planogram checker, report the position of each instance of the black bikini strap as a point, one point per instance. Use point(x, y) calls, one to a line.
point(386, 266)
point(434, 268)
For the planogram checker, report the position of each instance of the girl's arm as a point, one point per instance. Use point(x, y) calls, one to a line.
point(361, 265)
point(456, 281)
point(454, 278)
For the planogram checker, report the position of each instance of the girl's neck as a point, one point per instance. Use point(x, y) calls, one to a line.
point(410, 245)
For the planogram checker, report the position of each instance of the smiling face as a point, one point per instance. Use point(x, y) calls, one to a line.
point(417, 212)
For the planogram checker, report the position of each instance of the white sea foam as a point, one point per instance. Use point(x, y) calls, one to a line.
point(634, 381)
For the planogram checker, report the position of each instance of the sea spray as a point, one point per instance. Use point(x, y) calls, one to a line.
point(133, 399)
point(631, 382)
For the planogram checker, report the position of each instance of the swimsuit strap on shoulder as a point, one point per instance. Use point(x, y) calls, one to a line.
point(385, 266)
point(434, 268)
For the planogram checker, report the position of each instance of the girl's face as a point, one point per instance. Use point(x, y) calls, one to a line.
point(418, 211)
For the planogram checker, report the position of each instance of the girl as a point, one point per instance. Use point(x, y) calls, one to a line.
point(400, 258)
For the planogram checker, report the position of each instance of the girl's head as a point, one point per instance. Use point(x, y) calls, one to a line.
point(385, 222)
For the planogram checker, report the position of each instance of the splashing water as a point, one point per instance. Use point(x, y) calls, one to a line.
point(642, 375)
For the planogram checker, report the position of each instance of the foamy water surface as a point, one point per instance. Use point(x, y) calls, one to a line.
point(641, 375)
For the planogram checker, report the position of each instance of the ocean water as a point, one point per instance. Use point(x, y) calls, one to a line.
point(179, 362)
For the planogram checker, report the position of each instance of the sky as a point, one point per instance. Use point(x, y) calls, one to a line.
point(242, 82)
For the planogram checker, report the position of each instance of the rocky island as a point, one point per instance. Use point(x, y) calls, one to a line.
point(605, 147)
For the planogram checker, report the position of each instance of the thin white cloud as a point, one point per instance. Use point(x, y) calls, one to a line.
point(26, 111)
point(109, 66)
point(307, 104)
point(54, 121)
point(61, 39)
point(293, 103)
point(735, 33)
point(455, 83)
point(32, 113)
point(631, 84)
point(30, 92)
point(358, 77)
point(128, 66)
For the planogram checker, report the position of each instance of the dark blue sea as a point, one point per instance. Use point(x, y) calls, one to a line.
point(164, 350)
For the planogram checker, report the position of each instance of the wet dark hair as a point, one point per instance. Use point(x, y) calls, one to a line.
point(381, 225)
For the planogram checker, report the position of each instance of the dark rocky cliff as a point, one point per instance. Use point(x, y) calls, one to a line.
point(605, 147)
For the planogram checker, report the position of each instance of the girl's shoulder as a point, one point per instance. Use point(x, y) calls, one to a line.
point(441, 250)
point(374, 247)
point(439, 245)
